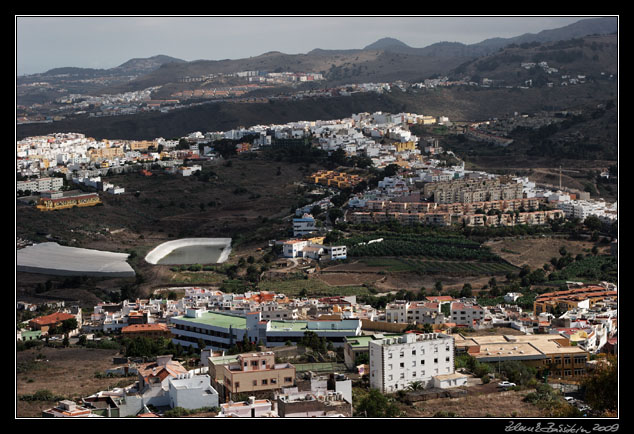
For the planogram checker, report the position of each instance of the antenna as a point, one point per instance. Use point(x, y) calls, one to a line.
point(559, 177)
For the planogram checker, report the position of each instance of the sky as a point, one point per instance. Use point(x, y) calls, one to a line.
point(46, 42)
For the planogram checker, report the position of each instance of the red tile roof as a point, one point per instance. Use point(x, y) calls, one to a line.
point(52, 319)
point(134, 328)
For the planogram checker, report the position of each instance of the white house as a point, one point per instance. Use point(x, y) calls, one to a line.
point(192, 391)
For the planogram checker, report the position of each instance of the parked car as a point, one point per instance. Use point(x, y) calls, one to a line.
point(506, 384)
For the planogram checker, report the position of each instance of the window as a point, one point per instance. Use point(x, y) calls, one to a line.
point(436, 360)
point(263, 362)
point(273, 381)
point(402, 365)
point(402, 354)
point(237, 384)
point(402, 376)
point(413, 363)
point(288, 379)
point(389, 355)
point(389, 377)
point(413, 352)
point(414, 374)
point(255, 382)
point(447, 359)
point(422, 362)
point(265, 382)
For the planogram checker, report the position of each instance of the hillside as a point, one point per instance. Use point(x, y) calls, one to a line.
point(387, 59)
point(462, 103)
point(591, 57)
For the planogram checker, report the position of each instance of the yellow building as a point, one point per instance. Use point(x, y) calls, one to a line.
point(551, 353)
point(584, 297)
point(405, 146)
point(50, 201)
point(142, 145)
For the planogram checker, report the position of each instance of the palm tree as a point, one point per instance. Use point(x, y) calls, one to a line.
point(415, 385)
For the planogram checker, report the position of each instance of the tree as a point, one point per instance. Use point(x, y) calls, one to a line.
point(438, 286)
point(68, 325)
point(375, 404)
point(601, 386)
point(467, 290)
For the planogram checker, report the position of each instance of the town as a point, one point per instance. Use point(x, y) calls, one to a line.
point(202, 350)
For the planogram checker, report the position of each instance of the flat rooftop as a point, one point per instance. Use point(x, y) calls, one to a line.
point(217, 320)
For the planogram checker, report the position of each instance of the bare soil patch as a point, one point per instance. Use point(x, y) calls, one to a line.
point(535, 252)
point(485, 403)
point(67, 372)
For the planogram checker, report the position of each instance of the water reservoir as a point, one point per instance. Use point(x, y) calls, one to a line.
point(188, 251)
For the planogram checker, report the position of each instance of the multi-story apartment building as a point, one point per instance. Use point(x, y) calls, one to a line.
point(402, 311)
point(40, 184)
point(397, 362)
point(304, 225)
point(584, 297)
point(464, 314)
point(256, 372)
point(473, 190)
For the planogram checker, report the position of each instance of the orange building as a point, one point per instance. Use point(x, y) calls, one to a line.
point(151, 331)
point(44, 323)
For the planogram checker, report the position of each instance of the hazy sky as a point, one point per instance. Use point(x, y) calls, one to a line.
point(46, 42)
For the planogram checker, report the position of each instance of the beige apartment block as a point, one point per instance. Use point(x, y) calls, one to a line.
point(254, 372)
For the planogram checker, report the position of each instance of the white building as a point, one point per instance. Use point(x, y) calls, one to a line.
point(397, 362)
point(40, 184)
point(466, 314)
point(293, 248)
point(304, 225)
point(192, 391)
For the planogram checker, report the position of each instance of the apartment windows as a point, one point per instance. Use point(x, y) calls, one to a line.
point(447, 359)
point(413, 363)
point(402, 354)
point(237, 385)
point(422, 362)
point(265, 382)
point(413, 352)
point(255, 382)
point(402, 365)
point(436, 360)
